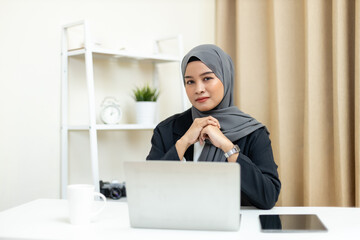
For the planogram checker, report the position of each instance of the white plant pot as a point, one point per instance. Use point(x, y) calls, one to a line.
point(145, 112)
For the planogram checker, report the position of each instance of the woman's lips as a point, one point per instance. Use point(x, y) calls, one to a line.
point(202, 99)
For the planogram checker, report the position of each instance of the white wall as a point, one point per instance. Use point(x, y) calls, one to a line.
point(30, 85)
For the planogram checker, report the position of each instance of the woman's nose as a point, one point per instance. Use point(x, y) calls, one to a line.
point(200, 88)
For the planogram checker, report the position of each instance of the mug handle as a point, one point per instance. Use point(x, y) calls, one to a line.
point(102, 207)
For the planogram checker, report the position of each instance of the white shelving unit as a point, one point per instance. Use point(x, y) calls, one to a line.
point(90, 51)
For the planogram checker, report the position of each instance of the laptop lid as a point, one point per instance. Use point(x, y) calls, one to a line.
point(183, 195)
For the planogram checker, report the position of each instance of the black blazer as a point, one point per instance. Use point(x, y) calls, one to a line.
point(260, 183)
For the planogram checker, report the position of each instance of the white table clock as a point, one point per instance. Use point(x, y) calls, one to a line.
point(110, 111)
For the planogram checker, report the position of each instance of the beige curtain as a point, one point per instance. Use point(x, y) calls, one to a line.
point(298, 71)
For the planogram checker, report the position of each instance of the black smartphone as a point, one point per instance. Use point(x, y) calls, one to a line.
point(291, 223)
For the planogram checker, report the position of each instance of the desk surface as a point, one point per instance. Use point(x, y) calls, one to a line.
point(48, 219)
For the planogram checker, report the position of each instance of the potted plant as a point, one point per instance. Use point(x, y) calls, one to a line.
point(145, 98)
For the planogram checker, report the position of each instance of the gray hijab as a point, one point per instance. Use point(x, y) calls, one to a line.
point(234, 123)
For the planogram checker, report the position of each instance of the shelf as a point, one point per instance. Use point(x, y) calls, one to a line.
point(113, 127)
point(87, 53)
point(127, 55)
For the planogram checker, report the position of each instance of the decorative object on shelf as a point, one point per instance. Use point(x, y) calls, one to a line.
point(110, 111)
point(145, 98)
point(113, 189)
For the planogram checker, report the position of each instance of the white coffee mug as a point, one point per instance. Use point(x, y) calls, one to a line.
point(81, 200)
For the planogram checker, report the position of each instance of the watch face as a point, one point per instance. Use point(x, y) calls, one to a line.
point(111, 115)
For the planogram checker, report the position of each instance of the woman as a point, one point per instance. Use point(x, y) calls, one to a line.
point(213, 129)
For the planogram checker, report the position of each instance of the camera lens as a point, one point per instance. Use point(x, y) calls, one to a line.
point(115, 193)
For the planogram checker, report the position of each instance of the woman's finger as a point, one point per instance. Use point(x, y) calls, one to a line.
point(214, 123)
point(215, 120)
point(201, 140)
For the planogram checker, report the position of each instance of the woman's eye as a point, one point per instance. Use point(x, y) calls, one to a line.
point(207, 78)
point(189, 82)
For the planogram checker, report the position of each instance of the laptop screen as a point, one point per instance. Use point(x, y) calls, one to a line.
point(178, 195)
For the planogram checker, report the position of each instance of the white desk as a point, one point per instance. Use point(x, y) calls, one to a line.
point(48, 219)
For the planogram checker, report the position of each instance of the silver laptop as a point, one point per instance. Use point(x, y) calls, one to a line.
point(183, 195)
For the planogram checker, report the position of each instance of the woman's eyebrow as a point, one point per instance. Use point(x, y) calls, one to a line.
point(206, 73)
point(202, 74)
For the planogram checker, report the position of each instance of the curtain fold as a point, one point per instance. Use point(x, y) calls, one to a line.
point(343, 101)
point(357, 103)
point(318, 127)
point(297, 71)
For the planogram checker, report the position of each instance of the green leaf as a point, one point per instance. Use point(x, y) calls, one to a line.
point(146, 93)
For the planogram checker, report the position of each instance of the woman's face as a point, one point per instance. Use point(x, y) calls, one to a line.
point(204, 90)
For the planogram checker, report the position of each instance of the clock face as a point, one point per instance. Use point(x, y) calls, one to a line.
point(111, 114)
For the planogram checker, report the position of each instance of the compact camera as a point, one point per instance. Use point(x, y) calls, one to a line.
point(114, 189)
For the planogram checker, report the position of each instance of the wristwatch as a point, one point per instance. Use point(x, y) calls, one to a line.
point(232, 151)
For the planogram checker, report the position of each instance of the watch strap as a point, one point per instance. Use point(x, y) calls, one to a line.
point(232, 151)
